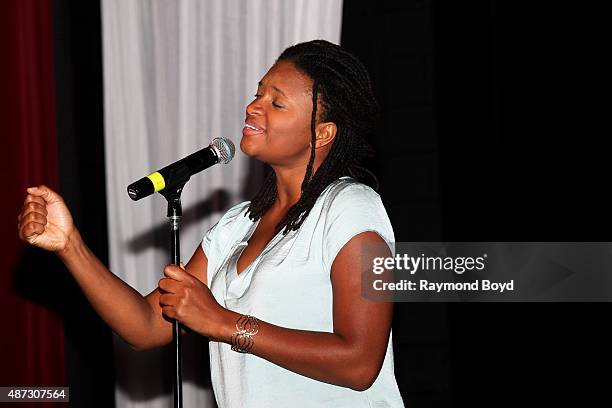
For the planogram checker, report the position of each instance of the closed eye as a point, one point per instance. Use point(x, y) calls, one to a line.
point(276, 105)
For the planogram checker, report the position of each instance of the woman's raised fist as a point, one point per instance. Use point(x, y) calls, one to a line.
point(45, 221)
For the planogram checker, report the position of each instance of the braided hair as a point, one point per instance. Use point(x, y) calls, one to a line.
point(342, 88)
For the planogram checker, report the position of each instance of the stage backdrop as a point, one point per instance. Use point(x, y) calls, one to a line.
point(176, 75)
point(32, 338)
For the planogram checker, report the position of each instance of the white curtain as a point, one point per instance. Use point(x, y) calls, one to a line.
point(176, 75)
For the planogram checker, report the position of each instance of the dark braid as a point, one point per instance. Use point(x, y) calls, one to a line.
point(341, 85)
point(313, 134)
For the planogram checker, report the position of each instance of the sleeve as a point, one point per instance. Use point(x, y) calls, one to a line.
point(353, 210)
point(208, 238)
point(218, 233)
point(216, 238)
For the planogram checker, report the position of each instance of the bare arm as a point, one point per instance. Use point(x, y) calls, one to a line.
point(45, 221)
point(351, 356)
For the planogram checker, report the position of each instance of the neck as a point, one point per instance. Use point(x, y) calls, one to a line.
point(289, 183)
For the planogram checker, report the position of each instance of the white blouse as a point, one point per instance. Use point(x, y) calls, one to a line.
point(289, 285)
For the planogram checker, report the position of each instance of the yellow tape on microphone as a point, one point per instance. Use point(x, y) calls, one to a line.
point(158, 181)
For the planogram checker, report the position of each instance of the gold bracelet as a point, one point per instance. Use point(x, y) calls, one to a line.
point(246, 327)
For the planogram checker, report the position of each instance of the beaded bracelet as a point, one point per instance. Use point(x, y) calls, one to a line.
point(246, 327)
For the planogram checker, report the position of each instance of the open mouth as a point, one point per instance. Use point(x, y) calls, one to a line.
point(250, 130)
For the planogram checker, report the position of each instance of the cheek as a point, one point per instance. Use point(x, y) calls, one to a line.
point(287, 138)
point(291, 134)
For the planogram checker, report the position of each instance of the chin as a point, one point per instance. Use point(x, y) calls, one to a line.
point(248, 147)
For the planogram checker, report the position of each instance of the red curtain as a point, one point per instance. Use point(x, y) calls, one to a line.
point(31, 340)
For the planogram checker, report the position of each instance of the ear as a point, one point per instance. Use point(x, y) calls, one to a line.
point(325, 134)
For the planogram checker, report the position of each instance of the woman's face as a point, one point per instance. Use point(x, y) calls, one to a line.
point(277, 124)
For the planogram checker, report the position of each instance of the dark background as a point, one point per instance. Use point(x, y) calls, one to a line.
point(487, 136)
point(77, 43)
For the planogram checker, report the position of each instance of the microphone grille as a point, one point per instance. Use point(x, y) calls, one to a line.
point(225, 149)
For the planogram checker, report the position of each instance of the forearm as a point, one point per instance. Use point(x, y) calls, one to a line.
point(322, 356)
point(124, 309)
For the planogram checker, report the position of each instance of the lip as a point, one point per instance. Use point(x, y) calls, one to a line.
point(248, 131)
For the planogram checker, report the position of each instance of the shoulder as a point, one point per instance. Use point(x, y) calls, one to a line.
point(234, 213)
point(224, 229)
point(348, 197)
point(350, 208)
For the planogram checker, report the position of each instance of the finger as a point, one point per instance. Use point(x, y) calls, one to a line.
point(33, 199)
point(168, 285)
point(45, 193)
point(175, 272)
point(169, 312)
point(31, 230)
point(34, 217)
point(32, 212)
point(37, 205)
point(167, 300)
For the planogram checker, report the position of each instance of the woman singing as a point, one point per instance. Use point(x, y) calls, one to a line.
point(276, 283)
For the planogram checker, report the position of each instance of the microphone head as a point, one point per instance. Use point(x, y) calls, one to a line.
point(224, 148)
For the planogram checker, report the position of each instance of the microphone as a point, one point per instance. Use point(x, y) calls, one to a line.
point(221, 150)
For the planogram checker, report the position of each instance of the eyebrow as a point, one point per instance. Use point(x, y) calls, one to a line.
point(273, 87)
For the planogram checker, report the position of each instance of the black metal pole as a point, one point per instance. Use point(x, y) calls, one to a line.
point(174, 214)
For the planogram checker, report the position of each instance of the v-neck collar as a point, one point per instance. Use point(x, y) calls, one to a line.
point(237, 283)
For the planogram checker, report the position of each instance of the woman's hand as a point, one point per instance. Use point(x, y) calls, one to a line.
point(45, 221)
point(186, 299)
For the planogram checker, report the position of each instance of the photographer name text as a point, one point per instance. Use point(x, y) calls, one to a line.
point(425, 285)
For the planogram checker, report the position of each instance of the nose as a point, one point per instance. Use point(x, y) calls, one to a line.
point(254, 108)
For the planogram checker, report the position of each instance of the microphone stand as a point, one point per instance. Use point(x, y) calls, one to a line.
point(172, 179)
point(175, 212)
